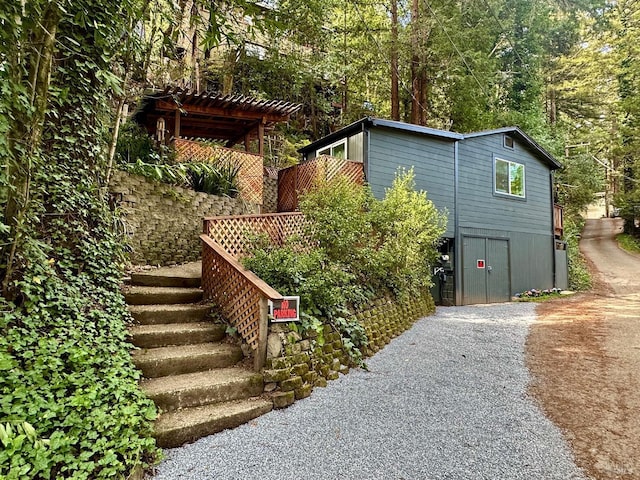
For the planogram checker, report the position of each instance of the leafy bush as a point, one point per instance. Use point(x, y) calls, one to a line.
point(630, 243)
point(212, 178)
point(579, 276)
point(359, 248)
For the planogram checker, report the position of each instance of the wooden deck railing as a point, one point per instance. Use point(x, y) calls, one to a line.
point(233, 233)
point(297, 179)
point(239, 294)
point(558, 221)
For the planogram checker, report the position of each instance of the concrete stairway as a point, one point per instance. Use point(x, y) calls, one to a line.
point(190, 371)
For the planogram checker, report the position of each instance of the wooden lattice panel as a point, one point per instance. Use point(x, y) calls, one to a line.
point(353, 172)
point(298, 179)
point(287, 196)
point(250, 176)
point(234, 233)
point(237, 299)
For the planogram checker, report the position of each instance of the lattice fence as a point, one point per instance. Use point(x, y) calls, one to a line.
point(251, 166)
point(237, 293)
point(234, 232)
point(298, 179)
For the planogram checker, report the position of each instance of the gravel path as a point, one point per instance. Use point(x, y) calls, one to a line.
point(446, 400)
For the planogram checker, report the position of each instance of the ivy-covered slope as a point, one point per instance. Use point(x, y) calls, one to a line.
point(70, 406)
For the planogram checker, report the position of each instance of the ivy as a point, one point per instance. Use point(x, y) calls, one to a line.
point(70, 404)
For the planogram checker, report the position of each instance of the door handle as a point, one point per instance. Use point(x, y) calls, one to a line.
point(489, 268)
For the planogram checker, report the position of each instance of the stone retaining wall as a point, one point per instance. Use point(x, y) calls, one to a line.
point(164, 222)
point(297, 364)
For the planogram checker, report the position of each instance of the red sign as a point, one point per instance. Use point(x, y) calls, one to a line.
point(285, 310)
point(480, 263)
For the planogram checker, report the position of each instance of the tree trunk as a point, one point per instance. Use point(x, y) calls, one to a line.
point(395, 97)
point(29, 131)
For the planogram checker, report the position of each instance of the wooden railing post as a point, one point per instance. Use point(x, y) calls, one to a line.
point(261, 352)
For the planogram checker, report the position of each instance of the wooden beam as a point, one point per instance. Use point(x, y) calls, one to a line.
point(176, 130)
point(162, 105)
point(261, 137)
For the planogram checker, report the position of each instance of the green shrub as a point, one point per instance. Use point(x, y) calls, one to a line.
point(212, 178)
point(579, 275)
point(359, 248)
point(630, 243)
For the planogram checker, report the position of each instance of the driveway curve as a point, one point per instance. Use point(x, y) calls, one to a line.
point(445, 400)
point(584, 357)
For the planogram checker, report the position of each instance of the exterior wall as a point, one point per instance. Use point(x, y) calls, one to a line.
point(295, 365)
point(431, 158)
point(530, 257)
point(479, 207)
point(164, 222)
point(355, 148)
point(527, 223)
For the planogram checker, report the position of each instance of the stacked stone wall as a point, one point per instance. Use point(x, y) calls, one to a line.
point(296, 364)
point(163, 223)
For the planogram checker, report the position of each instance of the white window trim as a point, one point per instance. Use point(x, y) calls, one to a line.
point(330, 148)
point(524, 178)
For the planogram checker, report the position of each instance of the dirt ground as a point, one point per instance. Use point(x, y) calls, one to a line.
point(584, 358)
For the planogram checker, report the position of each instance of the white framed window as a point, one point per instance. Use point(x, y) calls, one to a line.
point(338, 149)
point(509, 178)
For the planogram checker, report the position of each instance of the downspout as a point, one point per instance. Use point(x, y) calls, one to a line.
point(457, 240)
point(365, 151)
point(553, 232)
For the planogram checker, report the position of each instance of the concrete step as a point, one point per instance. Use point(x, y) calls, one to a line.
point(176, 428)
point(163, 335)
point(137, 295)
point(202, 388)
point(186, 276)
point(176, 360)
point(158, 314)
point(149, 279)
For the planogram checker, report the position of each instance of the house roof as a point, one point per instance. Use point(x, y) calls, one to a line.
point(523, 137)
point(431, 132)
point(212, 116)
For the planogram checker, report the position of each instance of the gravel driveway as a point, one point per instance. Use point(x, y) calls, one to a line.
point(446, 400)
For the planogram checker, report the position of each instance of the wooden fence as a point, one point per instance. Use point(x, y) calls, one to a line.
point(250, 177)
point(298, 179)
point(238, 293)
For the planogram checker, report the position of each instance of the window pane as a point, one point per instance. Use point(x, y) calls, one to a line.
point(502, 176)
point(338, 151)
point(516, 172)
point(324, 151)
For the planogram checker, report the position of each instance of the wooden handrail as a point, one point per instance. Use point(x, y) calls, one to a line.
point(257, 282)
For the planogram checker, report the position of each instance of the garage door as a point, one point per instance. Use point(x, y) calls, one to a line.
point(486, 276)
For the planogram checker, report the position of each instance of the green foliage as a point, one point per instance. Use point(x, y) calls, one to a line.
point(359, 248)
point(579, 275)
point(64, 359)
point(218, 178)
point(630, 243)
point(135, 144)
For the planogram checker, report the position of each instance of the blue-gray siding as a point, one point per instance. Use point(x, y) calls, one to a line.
point(431, 158)
point(479, 207)
point(530, 257)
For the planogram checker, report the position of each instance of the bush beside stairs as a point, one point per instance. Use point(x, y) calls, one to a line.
point(190, 371)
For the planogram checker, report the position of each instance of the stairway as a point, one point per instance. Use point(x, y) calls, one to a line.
point(190, 371)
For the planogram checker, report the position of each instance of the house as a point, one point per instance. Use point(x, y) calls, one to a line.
point(503, 233)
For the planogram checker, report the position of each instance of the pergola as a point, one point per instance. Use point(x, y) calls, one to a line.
point(177, 113)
